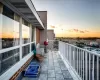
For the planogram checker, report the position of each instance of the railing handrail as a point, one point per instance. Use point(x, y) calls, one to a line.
point(82, 49)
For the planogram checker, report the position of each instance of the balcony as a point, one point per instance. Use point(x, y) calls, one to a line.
point(68, 63)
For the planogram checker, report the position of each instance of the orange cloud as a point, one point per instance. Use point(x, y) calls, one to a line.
point(52, 26)
point(82, 31)
point(76, 30)
point(86, 31)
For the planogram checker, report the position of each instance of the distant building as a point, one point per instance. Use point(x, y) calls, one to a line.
point(50, 34)
point(94, 44)
point(50, 37)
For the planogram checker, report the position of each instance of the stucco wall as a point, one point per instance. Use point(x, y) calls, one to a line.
point(37, 35)
point(43, 33)
point(50, 34)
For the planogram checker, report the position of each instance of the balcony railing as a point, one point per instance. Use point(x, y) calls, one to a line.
point(84, 63)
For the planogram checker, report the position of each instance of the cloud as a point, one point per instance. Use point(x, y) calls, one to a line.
point(86, 31)
point(70, 30)
point(78, 31)
point(82, 31)
point(52, 26)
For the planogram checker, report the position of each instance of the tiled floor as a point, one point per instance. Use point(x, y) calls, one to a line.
point(52, 68)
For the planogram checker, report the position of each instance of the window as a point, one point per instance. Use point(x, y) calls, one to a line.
point(9, 29)
point(9, 35)
point(8, 59)
point(25, 50)
point(25, 33)
point(33, 33)
point(33, 46)
point(8, 12)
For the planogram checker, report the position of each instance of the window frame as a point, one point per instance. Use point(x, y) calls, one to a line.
point(20, 45)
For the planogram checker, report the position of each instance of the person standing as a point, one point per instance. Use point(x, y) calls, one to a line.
point(45, 46)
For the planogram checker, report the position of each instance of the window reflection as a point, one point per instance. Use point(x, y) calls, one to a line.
point(9, 32)
point(25, 50)
point(8, 12)
point(8, 59)
point(25, 34)
point(32, 38)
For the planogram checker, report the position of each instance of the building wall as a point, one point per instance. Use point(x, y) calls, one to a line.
point(43, 33)
point(37, 36)
point(50, 34)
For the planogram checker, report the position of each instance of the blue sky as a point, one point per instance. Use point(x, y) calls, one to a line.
point(71, 14)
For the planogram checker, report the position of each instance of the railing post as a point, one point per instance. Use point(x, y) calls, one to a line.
point(77, 60)
point(70, 55)
point(97, 68)
point(67, 51)
point(86, 75)
point(74, 57)
point(83, 65)
point(89, 66)
point(93, 68)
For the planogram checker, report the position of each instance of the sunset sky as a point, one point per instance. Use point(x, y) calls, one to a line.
point(72, 18)
point(10, 29)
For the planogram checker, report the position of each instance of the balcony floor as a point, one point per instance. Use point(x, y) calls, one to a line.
point(52, 68)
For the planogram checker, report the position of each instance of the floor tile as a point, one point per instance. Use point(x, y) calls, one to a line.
point(51, 73)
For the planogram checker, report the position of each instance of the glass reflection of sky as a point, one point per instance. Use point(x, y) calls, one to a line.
point(0, 25)
point(8, 27)
point(25, 31)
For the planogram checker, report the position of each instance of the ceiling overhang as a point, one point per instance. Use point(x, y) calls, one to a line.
point(26, 10)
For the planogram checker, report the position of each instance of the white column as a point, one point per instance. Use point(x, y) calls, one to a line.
point(20, 36)
point(83, 66)
point(30, 36)
point(86, 66)
point(98, 68)
point(35, 35)
point(1, 10)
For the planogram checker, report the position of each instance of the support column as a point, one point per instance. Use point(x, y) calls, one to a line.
point(20, 36)
point(30, 36)
point(1, 11)
point(35, 35)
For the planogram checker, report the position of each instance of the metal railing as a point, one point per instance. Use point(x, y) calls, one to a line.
point(85, 63)
point(53, 45)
